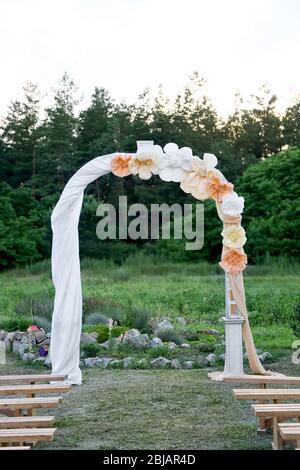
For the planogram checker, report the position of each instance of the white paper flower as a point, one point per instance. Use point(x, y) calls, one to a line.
point(145, 164)
point(232, 204)
point(175, 162)
point(234, 236)
point(195, 181)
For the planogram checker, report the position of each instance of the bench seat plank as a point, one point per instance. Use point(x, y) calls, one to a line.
point(281, 410)
point(26, 435)
point(16, 448)
point(34, 389)
point(266, 394)
point(28, 403)
point(28, 379)
point(289, 431)
point(27, 422)
point(262, 379)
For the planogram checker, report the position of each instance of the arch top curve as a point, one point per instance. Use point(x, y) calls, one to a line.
point(196, 176)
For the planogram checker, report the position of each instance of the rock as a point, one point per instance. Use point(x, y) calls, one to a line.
point(172, 345)
point(188, 364)
point(28, 357)
point(156, 342)
point(175, 364)
point(127, 362)
point(160, 362)
point(185, 345)
point(202, 361)
point(103, 362)
point(265, 356)
point(48, 335)
point(142, 364)
point(211, 359)
point(48, 362)
point(39, 336)
point(10, 336)
point(211, 332)
point(165, 325)
point(23, 349)
point(181, 320)
point(18, 335)
point(90, 361)
point(7, 344)
point(116, 364)
point(46, 342)
point(86, 338)
point(135, 339)
point(16, 346)
point(3, 335)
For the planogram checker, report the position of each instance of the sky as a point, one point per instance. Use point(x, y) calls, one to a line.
point(128, 45)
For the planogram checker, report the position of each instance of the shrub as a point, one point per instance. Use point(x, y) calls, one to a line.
point(96, 319)
point(160, 351)
point(207, 343)
point(103, 331)
point(139, 319)
point(169, 335)
point(295, 323)
point(90, 349)
point(108, 309)
point(35, 307)
point(13, 324)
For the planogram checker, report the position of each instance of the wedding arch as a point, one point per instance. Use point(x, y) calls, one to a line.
point(196, 176)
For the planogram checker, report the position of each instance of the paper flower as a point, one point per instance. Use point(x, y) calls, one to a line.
point(233, 261)
point(232, 204)
point(146, 164)
point(119, 165)
point(234, 236)
point(195, 181)
point(175, 163)
point(217, 188)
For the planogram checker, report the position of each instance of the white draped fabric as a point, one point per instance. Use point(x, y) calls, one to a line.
point(67, 315)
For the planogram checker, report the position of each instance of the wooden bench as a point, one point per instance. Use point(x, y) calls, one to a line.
point(265, 395)
point(27, 422)
point(262, 380)
point(278, 412)
point(30, 379)
point(32, 390)
point(290, 432)
point(8, 436)
point(31, 404)
point(16, 448)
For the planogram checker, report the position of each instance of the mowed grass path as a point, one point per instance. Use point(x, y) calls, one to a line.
point(117, 409)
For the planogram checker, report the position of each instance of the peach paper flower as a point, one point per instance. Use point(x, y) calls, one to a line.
point(217, 188)
point(233, 261)
point(119, 165)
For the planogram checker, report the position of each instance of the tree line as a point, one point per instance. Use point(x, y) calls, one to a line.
point(41, 147)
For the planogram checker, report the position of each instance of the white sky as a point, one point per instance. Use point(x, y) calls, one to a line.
point(127, 45)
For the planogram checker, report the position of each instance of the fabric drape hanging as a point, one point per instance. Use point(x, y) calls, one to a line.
point(67, 314)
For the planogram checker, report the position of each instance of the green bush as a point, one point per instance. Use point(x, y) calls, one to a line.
point(169, 335)
point(103, 331)
point(14, 324)
point(207, 343)
point(96, 319)
point(90, 349)
point(40, 307)
point(295, 323)
point(139, 319)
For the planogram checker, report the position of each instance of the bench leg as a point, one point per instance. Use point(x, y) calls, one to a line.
point(277, 439)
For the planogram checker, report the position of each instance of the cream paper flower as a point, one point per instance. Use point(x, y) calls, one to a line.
point(234, 236)
point(195, 181)
point(145, 164)
point(175, 163)
point(232, 204)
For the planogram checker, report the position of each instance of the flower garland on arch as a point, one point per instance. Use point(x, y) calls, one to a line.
point(200, 178)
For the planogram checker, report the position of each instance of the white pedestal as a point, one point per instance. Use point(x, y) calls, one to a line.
point(234, 346)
